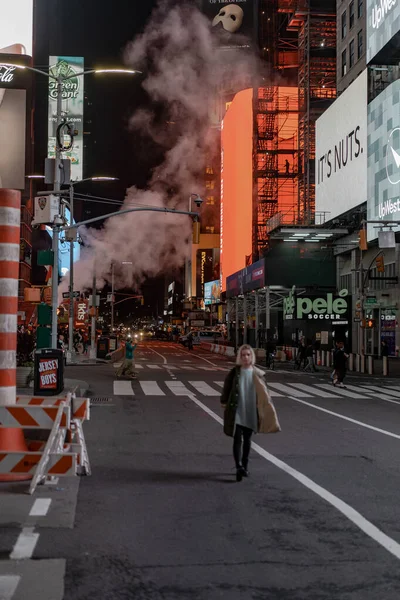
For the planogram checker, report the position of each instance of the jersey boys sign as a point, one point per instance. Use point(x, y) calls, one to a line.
point(48, 370)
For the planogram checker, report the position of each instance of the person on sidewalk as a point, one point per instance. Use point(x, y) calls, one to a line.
point(247, 407)
point(310, 366)
point(339, 364)
point(127, 367)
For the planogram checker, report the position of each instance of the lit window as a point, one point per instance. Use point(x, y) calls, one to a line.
point(210, 229)
point(210, 185)
point(210, 200)
point(209, 171)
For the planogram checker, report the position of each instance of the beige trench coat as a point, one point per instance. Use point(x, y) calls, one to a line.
point(267, 417)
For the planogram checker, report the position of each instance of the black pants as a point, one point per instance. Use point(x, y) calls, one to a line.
point(242, 459)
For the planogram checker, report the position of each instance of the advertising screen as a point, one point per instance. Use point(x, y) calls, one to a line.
point(73, 101)
point(384, 158)
point(246, 280)
point(16, 27)
point(236, 185)
point(212, 292)
point(383, 23)
point(341, 152)
point(234, 22)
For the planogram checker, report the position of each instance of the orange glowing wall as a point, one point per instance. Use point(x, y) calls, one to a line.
point(236, 185)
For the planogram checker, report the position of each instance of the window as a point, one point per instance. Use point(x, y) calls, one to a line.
point(344, 63)
point(351, 54)
point(210, 184)
point(360, 8)
point(351, 14)
point(360, 43)
point(344, 25)
point(210, 200)
point(209, 171)
point(210, 229)
point(345, 282)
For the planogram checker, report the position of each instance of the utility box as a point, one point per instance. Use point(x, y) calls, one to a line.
point(49, 372)
point(103, 345)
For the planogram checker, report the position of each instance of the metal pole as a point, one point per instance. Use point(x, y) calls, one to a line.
point(93, 332)
point(71, 275)
point(237, 322)
point(112, 298)
point(56, 231)
point(257, 320)
point(244, 320)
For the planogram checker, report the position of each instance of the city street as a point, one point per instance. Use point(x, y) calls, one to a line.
point(162, 516)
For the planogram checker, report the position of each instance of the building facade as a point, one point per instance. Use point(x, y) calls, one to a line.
point(351, 41)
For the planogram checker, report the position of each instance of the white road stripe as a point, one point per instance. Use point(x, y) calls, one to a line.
point(151, 388)
point(334, 414)
point(208, 368)
point(220, 383)
point(315, 391)
point(123, 388)
point(170, 368)
point(348, 511)
point(40, 507)
point(204, 388)
point(387, 391)
point(25, 544)
point(163, 357)
point(340, 391)
point(291, 391)
point(372, 394)
point(178, 388)
point(8, 585)
point(138, 366)
point(190, 368)
point(157, 367)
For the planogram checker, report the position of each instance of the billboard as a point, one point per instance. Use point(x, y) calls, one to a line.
point(212, 292)
point(383, 23)
point(16, 27)
point(341, 152)
point(236, 211)
point(73, 102)
point(204, 269)
point(235, 22)
point(12, 138)
point(246, 280)
point(384, 158)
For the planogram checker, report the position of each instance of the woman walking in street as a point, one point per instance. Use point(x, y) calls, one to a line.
point(339, 364)
point(247, 407)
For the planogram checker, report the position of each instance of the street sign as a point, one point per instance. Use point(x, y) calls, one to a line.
point(66, 295)
point(370, 301)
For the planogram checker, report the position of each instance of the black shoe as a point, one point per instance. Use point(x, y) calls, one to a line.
point(239, 474)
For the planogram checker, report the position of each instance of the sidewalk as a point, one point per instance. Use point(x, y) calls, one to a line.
point(394, 369)
point(80, 360)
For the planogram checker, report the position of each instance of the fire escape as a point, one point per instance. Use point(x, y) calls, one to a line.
point(315, 22)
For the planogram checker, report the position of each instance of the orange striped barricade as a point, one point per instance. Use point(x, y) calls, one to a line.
point(80, 411)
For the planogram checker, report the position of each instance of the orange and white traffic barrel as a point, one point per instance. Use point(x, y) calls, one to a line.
point(10, 215)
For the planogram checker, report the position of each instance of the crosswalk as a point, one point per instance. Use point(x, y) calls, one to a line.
point(277, 390)
point(167, 367)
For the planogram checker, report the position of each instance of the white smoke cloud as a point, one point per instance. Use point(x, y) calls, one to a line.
point(182, 71)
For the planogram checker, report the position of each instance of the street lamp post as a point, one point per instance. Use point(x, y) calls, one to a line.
point(60, 80)
point(188, 267)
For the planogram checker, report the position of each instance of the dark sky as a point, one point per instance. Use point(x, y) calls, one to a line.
point(99, 30)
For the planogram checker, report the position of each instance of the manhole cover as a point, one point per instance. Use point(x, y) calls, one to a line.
point(100, 400)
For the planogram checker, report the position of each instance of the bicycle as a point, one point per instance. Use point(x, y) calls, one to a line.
point(271, 361)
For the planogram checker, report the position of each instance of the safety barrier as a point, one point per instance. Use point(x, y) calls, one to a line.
point(65, 452)
point(218, 349)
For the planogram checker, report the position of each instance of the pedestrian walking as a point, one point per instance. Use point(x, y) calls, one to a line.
point(310, 366)
point(339, 364)
point(247, 407)
point(301, 357)
point(127, 367)
point(190, 341)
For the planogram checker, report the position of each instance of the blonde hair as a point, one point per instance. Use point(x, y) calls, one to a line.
point(239, 354)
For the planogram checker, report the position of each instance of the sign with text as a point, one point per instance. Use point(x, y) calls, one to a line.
point(332, 307)
point(68, 67)
point(48, 370)
point(383, 24)
point(341, 152)
point(246, 280)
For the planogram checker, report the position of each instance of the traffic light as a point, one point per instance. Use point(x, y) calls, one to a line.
point(196, 232)
point(363, 245)
point(369, 323)
point(380, 264)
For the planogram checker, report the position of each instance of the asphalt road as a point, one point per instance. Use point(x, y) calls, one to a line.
point(162, 517)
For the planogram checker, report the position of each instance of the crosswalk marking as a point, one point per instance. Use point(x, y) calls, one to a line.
point(370, 393)
point(340, 391)
point(288, 390)
point(204, 388)
point(388, 391)
point(315, 391)
point(8, 585)
point(151, 388)
point(123, 388)
point(157, 367)
point(138, 367)
point(220, 383)
point(178, 388)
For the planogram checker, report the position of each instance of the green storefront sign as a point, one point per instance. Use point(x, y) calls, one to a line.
point(332, 307)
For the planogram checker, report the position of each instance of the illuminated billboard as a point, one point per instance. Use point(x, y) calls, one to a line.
point(16, 27)
point(235, 22)
point(73, 101)
point(236, 185)
point(212, 292)
point(341, 152)
point(384, 158)
point(383, 24)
